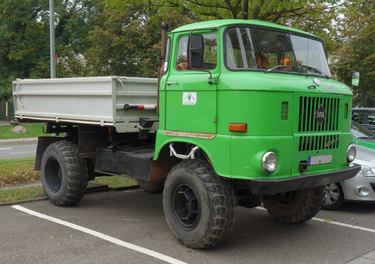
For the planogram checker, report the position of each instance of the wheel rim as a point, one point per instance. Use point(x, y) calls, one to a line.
point(53, 175)
point(185, 207)
point(332, 194)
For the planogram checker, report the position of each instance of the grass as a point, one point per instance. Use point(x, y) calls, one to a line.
point(20, 194)
point(33, 130)
point(115, 181)
point(18, 171)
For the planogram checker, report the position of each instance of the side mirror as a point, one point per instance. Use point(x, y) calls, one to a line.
point(195, 52)
point(355, 78)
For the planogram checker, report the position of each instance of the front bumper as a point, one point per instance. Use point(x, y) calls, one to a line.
point(271, 186)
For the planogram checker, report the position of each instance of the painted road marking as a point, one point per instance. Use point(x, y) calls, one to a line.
point(5, 148)
point(15, 153)
point(333, 222)
point(102, 236)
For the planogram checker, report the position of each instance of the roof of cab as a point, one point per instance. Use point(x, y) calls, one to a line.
point(227, 22)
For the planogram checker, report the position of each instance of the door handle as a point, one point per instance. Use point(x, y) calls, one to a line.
point(169, 83)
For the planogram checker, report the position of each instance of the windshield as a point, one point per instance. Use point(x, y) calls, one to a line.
point(249, 48)
point(360, 132)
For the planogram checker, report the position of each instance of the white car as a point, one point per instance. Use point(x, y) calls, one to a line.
point(360, 188)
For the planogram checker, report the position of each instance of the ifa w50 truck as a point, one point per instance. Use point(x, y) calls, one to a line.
point(243, 113)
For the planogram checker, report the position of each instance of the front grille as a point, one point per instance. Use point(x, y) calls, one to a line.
point(372, 186)
point(308, 106)
point(320, 142)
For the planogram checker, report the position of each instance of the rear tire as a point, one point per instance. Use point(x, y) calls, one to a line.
point(199, 205)
point(64, 174)
point(295, 207)
point(151, 187)
point(334, 196)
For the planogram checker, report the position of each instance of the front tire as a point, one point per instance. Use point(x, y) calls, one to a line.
point(199, 205)
point(334, 196)
point(64, 174)
point(295, 207)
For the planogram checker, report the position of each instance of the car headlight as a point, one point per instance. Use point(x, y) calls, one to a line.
point(269, 162)
point(350, 153)
point(368, 171)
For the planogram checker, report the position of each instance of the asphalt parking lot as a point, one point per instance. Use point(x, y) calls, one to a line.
point(129, 227)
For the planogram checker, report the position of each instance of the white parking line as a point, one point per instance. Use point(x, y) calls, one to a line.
point(5, 148)
point(14, 153)
point(333, 222)
point(102, 236)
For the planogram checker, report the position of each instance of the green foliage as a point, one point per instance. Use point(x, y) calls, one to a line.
point(128, 43)
point(271, 10)
point(364, 100)
point(23, 42)
point(358, 46)
point(74, 22)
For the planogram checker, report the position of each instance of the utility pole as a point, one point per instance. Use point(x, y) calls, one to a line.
point(52, 38)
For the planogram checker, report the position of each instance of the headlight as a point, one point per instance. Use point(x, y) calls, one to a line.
point(350, 153)
point(269, 162)
point(368, 171)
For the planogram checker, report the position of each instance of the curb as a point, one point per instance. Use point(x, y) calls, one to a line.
point(93, 187)
point(18, 141)
point(24, 201)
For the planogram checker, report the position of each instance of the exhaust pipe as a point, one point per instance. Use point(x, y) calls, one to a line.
point(162, 60)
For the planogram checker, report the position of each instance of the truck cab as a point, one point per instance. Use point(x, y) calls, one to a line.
point(257, 88)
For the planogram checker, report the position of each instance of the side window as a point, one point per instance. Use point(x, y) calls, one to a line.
point(210, 52)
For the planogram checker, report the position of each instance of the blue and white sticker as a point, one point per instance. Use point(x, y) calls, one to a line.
point(189, 98)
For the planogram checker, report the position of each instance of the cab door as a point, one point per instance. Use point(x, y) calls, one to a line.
point(191, 97)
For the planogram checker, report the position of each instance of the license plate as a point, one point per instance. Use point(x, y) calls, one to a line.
point(320, 159)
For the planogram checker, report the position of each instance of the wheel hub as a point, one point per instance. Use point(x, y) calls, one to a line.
point(186, 207)
point(331, 194)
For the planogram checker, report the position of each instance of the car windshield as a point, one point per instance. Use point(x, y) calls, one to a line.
point(248, 48)
point(360, 132)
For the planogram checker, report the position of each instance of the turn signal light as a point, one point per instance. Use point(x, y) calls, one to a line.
point(237, 127)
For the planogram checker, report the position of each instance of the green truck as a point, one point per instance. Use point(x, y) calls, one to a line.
point(243, 113)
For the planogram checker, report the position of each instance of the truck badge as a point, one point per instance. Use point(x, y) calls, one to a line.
point(189, 98)
point(320, 114)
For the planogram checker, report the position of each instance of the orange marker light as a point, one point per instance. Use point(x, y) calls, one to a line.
point(237, 127)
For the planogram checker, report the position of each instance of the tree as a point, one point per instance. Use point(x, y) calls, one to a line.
point(358, 46)
point(270, 10)
point(23, 43)
point(364, 100)
point(75, 19)
point(128, 43)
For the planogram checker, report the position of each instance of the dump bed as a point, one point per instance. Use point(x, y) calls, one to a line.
point(106, 101)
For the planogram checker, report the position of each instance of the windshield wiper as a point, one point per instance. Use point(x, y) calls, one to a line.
point(316, 69)
point(278, 66)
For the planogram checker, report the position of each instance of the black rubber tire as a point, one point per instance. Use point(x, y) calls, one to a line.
point(334, 196)
point(295, 207)
point(151, 187)
point(199, 206)
point(64, 174)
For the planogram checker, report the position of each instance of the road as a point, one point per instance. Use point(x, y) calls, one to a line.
point(17, 151)
point(129, 227)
